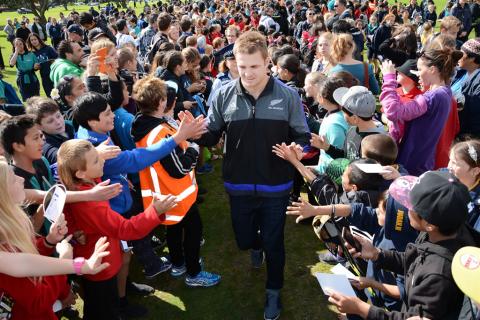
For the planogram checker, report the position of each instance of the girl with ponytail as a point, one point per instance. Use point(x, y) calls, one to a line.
point(425, 116)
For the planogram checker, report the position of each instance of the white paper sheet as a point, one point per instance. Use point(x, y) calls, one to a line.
point(339, 269)
point(56, 204)
point(371, 168)
point(335, 282)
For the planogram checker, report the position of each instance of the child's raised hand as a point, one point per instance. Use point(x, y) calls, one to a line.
point(190, 128)
point(94, 264)
point(104, 191)
point(163, 203)
point(303, 209)
point(285, 152)
point(319, 142)
point(93, 65)
point(107, 151)
point(298, 149)
point(388, 67)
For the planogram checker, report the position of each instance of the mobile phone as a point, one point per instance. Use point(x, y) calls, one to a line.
point(102, 54)
point(125, 246)
point(350, 239)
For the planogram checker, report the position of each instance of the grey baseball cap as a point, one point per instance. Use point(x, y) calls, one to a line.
point(357, 99)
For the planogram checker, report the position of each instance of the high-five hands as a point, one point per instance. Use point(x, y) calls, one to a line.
point(190, 127)
point(163, 203)
point(290, 153)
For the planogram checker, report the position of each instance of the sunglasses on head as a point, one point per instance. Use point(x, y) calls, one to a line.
point(67, 78)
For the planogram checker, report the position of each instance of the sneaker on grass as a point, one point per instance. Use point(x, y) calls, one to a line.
point(178, 271)
point(273, 305)
point(203, 279)
point(155, 270)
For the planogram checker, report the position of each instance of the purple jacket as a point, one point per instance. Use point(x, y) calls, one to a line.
point(422, 128)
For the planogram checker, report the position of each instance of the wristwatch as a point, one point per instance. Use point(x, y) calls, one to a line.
point(78, 264)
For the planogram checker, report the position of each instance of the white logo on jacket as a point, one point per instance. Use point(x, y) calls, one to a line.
point(274, 103)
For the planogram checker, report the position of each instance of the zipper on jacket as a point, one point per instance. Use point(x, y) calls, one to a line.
point(254, 146)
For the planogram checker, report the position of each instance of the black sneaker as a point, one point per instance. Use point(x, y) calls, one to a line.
point(273, 305)
point(139, 289)
point(154, 271)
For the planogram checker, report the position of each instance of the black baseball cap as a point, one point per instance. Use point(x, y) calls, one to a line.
point(440, 199)
point(76, 28)
point(409, 68)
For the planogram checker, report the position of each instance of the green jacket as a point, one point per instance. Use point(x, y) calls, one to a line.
point(64, 67)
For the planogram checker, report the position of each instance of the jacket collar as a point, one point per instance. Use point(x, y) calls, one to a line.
point(242, 91)
point(94, 137)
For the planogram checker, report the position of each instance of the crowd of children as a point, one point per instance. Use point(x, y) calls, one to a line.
point(134, 105)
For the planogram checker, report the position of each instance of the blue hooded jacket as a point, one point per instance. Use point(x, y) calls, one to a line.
point(395, 235)
point(128, 161)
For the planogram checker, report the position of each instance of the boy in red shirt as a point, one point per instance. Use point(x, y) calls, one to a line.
point(80, 168)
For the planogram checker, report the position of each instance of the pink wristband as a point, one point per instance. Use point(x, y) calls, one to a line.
point(78, 264)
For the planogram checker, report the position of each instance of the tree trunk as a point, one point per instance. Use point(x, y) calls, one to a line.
point(38, 9)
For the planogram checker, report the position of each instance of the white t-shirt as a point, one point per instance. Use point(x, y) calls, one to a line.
point(124, 38)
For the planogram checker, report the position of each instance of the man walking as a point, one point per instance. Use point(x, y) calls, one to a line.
point(256, 112)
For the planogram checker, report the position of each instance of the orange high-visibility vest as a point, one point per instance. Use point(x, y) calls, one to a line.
point(156, 180)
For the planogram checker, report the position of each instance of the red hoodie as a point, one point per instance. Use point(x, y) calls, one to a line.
point(97, 219)
point(450, 131)
point(34, 301)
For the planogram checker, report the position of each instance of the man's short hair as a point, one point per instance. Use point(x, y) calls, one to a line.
point(121, 24)
point(148, 93)
point(164, 20)
point(152, 19)
point(251, 42)
point(124, 55)
point(185, 25)
point(191, 41)
point(86, 18)
point(14, 130)
point(64, 47)
point(88, 107)
point(234, 29)
point(40, 107)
